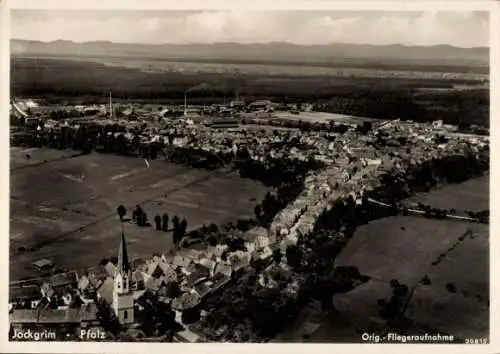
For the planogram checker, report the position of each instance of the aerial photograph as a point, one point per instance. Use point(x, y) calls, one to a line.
point(249, 176)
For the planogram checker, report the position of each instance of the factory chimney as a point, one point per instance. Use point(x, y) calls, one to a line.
point(110, 106)
point(185, 103)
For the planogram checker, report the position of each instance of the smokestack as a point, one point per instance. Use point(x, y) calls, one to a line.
point(110, 106)
point(185, 104)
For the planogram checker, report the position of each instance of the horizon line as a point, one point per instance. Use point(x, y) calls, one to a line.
point(250, 43)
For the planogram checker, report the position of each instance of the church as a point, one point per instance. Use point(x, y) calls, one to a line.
point(123, 297)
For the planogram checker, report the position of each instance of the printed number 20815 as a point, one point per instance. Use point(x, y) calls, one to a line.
point(476, 341)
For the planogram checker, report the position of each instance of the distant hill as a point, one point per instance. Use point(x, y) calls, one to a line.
point(442, 55)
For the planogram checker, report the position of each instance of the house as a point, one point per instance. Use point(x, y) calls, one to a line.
point(260, 105)
point(43, 264)
point(438, 124)
point(199, 274)
point(215, 251)
point(181, 262)
point(238, 260)
point(24, 293)
point(86, 315)
point(97, 275)
point(263, 253)
point(237, 104)
point(138, 282)
point(201, 289)
point(154, 269)
point(222, 268)
point(219, 280)
point(105, 291)
point(209, 264)
point(187, 336)
point(23, 317)
point(250, 241)
point(63, 280)
point(153, 283)
point(85, 286)
point(110, 269)
point(186, 301)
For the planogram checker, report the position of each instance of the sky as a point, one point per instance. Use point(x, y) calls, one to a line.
point(461, 29)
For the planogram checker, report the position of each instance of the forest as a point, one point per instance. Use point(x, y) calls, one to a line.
point(419, 99)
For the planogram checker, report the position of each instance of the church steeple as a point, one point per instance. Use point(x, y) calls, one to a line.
point(123, 264)
point(123, 298)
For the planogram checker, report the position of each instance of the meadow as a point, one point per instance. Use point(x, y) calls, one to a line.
point(472, 195)
point(445, 252)
point(65, 209)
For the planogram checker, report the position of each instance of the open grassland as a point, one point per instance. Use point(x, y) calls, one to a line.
point(471, 195)
point(447, 252)
point(65, 210)
point(21, 157)
point(463, 313)
point(399, 247)
point(158, 65)
point(322, 117)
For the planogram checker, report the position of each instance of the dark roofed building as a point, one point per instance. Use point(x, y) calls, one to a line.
point(43, 264)
point(105, 291)
point(224, 123)
point(23, 316)
point(69, 316)
point(262, 104)
point(153, 283)
point(202, 289)
point(63, 279)
point(219, 281)
point(201, 273)
point(72, 316)
point(24, 293)
point(97, 274)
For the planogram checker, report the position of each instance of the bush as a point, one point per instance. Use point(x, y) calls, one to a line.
point(451, 288)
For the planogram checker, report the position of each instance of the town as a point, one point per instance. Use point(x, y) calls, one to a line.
point(314, 162)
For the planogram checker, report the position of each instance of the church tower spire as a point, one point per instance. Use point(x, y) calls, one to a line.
point(123, 264)
point(123, 298)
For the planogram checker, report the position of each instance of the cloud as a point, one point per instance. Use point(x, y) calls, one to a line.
point(464, 29)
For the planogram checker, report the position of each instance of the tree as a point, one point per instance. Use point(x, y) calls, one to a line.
point(451, 288)
point(175, 221)
point(121, 211)
point(293, 256)
point(107, 318)
point(277, 256)
point(258, 211)
point(164, 225)
point(183, 227)
point(144, 219)
point(190, 315)
point(158, 222)
point(137, 214)
point(425, 280)
point(177, 230)
point(173, 290)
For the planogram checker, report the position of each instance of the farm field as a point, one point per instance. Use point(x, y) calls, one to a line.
point(401, 247)
point(65, 210)
point(467, 268)
point(447, 252)
point(471, 195)
point(19, 156)
point(152, 65)
point(323, 117)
